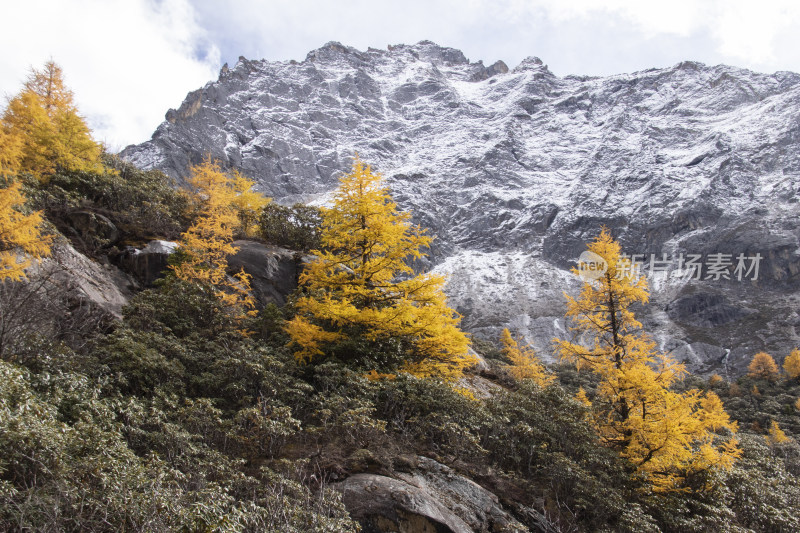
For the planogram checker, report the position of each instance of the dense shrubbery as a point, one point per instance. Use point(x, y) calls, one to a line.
point(176, 421)
point(142, 204)
point(157, 431)
point(296, 227)
point(172, 420)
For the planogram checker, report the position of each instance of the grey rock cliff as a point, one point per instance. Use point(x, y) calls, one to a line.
point(514, 170)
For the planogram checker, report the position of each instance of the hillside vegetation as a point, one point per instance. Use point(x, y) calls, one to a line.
point(200, 410)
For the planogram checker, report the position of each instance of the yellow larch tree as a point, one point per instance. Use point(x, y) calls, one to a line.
point(581, 397)
point(791, 365)
point(763, 366)
point(775, 435)
point(21, 237)
point(668, 437)
point(524, 363)
point(207, 244)
point(247, 202)
point(361, 288)
point(53, 135)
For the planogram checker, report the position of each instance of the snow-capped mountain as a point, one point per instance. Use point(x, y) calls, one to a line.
point(514, 170)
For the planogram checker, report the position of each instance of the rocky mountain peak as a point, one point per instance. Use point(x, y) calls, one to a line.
point(515, 170)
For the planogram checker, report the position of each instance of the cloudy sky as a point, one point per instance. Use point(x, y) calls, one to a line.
point(128, 61)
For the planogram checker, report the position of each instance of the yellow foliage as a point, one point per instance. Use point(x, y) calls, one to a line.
point(524, 363)
point(582, 398)
point(776, 434)
point(247, 202)
point(715, 380)
point(666, 435)
point(50, 133)
point(792, 364)
point(362, 283)
point(374, 375)
point(466, 393)
point(797, 404)
point(20, 234)
point(763, 366)
point(10, 154)
point(209, 241)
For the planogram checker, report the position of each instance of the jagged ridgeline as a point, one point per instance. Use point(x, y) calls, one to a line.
point(514, 169)
point(190, 403)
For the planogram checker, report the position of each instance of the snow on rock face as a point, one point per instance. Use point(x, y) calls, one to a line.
point(523, 167)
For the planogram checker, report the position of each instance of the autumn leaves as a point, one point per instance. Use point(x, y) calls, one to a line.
point(672, 439)
point(362, 302)
point(362, 285)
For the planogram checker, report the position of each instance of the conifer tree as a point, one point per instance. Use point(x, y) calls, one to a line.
point(207, 244)
point(792, 364)
point(763, 366)
point(668, 437)
point(21, 237)
point(52, 134)
point(361, 288)
point(524, 363)
point(247, 202)
point(776, 435)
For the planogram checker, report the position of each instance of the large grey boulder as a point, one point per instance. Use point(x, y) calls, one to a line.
point(149, 263)
point(66, 297)
point(431, 497)
point(382, 504)
point(274, 270)
point(94, 229)
point(101, 285)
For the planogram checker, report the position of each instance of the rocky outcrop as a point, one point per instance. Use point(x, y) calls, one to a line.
point(94, 229)
point(514, 170)
point(149, 263)
point(274, 270)
point(100, 285)
point(431, 498)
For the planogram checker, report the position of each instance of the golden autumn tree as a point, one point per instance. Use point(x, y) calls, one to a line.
point(669, 437)
point(763, 366)
point(361, 301)
point(775, 435)
point(51, 133)
point(524, 363)
point(207, 244)
point(791, 365)
point(21, 237)
point(247, 202)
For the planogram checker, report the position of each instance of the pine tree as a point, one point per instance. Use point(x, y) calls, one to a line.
point(763, 366)
point(52, 134)
point(524, 363)
point(668, 437)
point(21, 237)
point(247, 202)
point(776, 435)
point(360, 288)
point(207, 244)
point(792, 364)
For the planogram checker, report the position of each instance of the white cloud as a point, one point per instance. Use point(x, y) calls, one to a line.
point(127, 61)
point(739, 32)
